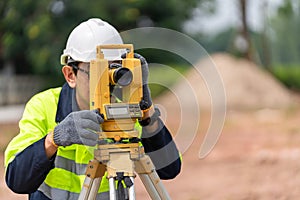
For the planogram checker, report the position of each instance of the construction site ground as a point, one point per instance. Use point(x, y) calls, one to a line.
point(257, 157)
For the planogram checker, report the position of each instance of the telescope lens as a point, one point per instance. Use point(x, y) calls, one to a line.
point(123, 76)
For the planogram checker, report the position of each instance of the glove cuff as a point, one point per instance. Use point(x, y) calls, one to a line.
point(57, 137)
point(150, 120)
point(52, 139)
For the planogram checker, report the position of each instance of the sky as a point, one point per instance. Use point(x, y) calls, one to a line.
point(227, 15)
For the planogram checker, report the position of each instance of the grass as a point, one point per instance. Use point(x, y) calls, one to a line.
point(289, 75)
point(163, 77)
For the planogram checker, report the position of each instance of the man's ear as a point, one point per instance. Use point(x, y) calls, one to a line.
point(69, 75)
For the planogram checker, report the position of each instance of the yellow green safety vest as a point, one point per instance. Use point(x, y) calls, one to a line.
point(65, 180)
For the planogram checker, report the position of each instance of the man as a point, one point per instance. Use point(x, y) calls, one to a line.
point(48, 158)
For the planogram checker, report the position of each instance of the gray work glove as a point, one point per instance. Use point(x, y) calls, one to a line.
point(146, 101)
point(78, 128)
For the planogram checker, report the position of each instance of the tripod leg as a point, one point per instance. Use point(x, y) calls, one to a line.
point(95, 188)
point(112, 189)
point(149, 177)
point(155, 189)
point(90, 188)
point(85, 191)
point(95, 172)
point(131, 190)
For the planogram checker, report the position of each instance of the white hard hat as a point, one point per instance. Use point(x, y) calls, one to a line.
point(83, 40)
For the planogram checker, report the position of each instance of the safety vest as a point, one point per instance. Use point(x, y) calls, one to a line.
point(65, 180)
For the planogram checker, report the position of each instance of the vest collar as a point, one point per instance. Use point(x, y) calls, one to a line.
point(66, 103)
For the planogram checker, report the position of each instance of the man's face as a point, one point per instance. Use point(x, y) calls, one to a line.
point(82, 86)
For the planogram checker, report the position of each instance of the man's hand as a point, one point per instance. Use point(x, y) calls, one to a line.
point(78, 128)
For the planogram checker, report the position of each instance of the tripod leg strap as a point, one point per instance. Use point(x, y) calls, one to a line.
point(128, 182)
point(121, 191)
point(120, 187)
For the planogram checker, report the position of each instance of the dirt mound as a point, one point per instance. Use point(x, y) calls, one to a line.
point(245, 85)
point(258, 149)
point(249, 86)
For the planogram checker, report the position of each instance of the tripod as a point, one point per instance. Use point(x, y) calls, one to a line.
point(120, 160)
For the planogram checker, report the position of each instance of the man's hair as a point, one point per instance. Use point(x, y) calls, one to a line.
point(74, 65)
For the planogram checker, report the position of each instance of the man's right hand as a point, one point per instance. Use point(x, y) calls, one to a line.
point(79, 127)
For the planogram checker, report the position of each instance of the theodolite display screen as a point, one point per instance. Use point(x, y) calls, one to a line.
point(123, 111)
point(118, 111)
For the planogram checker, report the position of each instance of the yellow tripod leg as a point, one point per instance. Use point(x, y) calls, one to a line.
point(146, 171)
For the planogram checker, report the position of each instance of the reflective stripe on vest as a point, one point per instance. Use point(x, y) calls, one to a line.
point(70, 165)
point(58, 194)
point(69, 176)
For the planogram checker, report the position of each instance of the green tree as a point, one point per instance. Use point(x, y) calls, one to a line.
point(33, 33)
point(285, 30)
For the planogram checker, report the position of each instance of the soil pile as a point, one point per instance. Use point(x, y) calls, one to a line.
point(245, 85)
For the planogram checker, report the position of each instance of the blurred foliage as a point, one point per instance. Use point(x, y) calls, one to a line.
point(219, 42)
point(284, 33)
point(163, 57)
point(276, 46)
point(285, 43)
point(33, 33)
point(289, 75)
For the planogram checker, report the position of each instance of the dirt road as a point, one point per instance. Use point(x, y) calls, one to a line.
point(257, 157)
